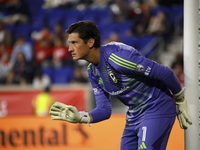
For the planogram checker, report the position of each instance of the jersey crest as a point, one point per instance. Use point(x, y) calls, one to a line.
point(112, 76)
point(111, 73)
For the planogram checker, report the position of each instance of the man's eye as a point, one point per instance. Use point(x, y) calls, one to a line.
point(74, 42)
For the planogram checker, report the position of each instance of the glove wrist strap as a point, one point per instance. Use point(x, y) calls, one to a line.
point(85, 117)
point(179, 97)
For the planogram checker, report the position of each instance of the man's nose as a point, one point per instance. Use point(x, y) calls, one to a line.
point(70, 48)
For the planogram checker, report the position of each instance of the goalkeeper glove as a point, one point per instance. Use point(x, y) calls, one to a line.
point(60, 111)
point(181, 109)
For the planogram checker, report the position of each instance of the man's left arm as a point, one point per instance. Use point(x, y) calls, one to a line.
point(168, 77)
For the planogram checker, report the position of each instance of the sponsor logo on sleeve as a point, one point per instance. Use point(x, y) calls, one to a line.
point(147, 71)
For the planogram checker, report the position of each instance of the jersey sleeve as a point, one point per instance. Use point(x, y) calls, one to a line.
point(130, 61)
point(103, 108)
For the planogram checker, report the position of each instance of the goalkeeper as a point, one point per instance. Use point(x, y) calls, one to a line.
point(151, 91)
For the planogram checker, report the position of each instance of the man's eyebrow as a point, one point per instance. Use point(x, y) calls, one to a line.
point(72, 41)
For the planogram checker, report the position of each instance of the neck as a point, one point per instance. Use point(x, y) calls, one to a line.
point(94, 56)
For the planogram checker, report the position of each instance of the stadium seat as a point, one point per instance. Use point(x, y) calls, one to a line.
point(177, 11)
point(107, 29)
point(132, 41)
point(34, 5)
point(63, 75)
point(161, 8)
point(164, 9)
point(104, 16)
point(123, 27)
point(54, 16)
point(10, 27)
point(38, 20)
point(24, 30)
point(147, 44)
point(90, 14)
point(48, 71)
point(176, 15)
point(71, 16)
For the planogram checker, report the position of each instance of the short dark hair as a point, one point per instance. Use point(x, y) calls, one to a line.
point(86, 30)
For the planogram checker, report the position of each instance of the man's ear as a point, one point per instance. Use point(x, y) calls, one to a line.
point(90, 42)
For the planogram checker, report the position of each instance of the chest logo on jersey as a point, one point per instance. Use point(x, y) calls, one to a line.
point(112, 76)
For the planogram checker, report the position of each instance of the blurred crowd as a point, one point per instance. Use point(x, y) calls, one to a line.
point(42, 58)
